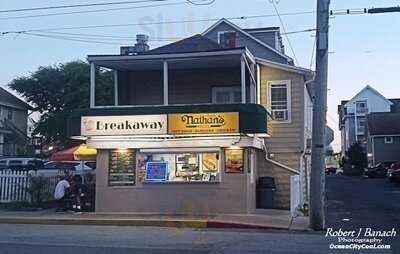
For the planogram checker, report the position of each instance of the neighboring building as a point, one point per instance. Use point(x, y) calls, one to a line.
point(195, 123)
point(352, 115)
point(13, 124)
point(383, 137)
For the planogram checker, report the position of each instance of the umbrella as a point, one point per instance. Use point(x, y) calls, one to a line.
point(80, 152)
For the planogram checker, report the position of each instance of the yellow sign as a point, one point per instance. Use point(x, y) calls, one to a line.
point(203, 123)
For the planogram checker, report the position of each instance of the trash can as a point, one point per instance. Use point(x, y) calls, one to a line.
point(265, 192)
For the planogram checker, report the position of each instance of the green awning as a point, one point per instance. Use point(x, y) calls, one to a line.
point(252, 117)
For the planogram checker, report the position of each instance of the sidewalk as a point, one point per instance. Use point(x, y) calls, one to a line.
point(265, 219)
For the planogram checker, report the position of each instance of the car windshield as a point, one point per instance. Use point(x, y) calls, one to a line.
point(68, 165)
point(91, 164)
point(50, 165)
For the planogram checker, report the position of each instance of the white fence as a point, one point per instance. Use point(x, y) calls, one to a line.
point(14, 186)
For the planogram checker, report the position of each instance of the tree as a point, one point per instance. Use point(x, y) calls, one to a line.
point(356, 157)
point(55, 91)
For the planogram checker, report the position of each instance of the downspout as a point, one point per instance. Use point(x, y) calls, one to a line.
point(276, 162)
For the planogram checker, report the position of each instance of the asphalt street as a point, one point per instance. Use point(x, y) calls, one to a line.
point(365, 202)
point(360, 202)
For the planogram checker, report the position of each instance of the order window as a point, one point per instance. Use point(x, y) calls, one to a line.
point(178, 167)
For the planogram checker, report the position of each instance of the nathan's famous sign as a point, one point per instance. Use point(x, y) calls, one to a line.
point(203, 123)
point(123, 125)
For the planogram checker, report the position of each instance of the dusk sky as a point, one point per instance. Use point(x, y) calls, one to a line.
point(364, 48)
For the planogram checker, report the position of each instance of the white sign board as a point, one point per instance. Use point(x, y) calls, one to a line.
point(124, 125)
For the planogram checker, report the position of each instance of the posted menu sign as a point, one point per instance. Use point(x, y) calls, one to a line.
point(122, 168)
point(124, 125)
point(203, 123)
point(156, 171)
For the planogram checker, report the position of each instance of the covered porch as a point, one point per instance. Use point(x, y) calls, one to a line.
point(211, 77)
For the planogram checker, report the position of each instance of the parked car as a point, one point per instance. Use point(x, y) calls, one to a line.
point(52, 168)
point(21, 163)
point(380, 170)
point(394, 172)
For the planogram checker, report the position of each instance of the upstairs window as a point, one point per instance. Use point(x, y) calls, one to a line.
point(279, 100)
point(360, 125)
point(226, 94)
point(227, 39)
point(388, 140)
point(9, 114)
point(361, 107)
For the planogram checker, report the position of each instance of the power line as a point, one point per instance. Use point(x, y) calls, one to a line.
point(152, 23)
point(102, 40)
point(199, 3)
point(79, 5)
point(117, 37)
point(91, 11)
point(284, 29)
point(69, 39)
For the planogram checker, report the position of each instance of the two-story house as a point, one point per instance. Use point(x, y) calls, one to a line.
point(383, 137)
point(352, 115)
point(195, 123)
point(13, 124)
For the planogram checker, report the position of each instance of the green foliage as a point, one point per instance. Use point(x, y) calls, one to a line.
point(55, 91)
point(356, 157)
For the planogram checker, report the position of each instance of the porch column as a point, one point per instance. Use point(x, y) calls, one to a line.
point(252, 85)
point(92, 84)
point(243, 76)
point(116, 87)
point(258, 101)
point(165, 83)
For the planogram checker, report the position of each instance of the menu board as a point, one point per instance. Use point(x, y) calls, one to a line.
point(122, 168)
point(234, 161)
point(156, 171)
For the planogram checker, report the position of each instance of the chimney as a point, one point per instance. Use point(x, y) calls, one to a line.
point(140, 46)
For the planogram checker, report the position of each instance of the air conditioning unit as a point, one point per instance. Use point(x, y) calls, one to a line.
point(280, 115)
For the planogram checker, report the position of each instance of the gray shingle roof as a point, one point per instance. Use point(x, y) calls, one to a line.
point(196, 43)
point(11, 100)
point(383, 123)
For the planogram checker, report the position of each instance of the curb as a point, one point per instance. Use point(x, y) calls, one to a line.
point(105, 222)
point(221, 224)
point(200, 224)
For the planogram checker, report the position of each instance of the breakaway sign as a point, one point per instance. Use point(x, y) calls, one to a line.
point(124, 125)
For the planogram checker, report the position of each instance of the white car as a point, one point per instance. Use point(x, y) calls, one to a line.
point(20, 163)
point(52, 168)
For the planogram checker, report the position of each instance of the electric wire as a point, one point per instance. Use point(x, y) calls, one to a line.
point(92, 11)
point(284, 30)
point(80, 5)
point(154, 23)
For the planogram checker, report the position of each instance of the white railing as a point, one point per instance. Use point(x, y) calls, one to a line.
point(14, 186)
point(295, 191)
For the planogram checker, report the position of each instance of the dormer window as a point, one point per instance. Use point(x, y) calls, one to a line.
point(227, 39)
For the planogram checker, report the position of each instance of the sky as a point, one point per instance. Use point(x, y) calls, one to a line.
point(364, 49)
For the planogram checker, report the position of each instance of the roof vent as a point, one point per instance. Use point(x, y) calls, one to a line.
point(140, 46)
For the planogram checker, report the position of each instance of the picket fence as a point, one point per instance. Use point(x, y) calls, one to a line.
point(14, 186)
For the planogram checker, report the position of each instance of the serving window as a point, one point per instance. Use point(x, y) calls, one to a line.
point(178, 167)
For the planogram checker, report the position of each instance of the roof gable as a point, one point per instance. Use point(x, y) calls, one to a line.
point(366, 90)
point(245, 33)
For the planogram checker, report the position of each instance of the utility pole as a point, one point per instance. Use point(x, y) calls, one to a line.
point(317, 179)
